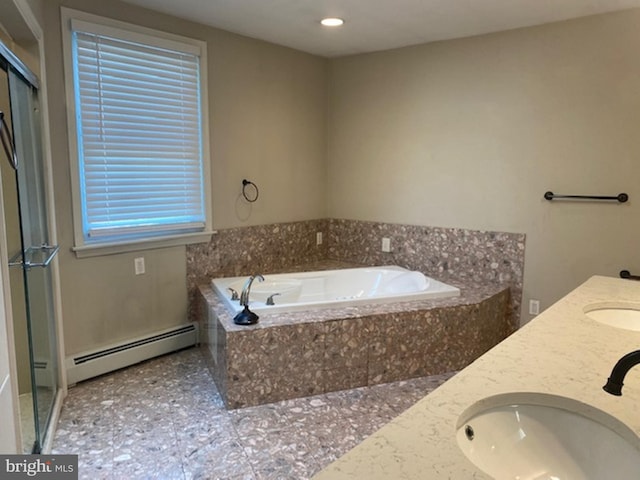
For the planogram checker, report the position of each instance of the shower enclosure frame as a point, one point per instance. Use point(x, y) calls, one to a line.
point(31, 24)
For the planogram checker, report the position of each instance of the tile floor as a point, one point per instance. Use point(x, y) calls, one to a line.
point(164, 419)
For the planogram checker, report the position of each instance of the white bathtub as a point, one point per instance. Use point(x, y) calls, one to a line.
point(334, 288)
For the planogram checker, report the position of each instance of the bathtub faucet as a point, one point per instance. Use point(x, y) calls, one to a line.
point(246, 316)
point(246, 290)
point(626, 363)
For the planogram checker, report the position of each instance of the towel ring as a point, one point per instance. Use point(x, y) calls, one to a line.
point(249, 195)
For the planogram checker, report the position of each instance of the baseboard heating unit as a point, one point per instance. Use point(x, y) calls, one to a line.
point(113, 357)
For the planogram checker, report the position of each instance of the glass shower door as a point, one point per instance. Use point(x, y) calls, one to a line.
point(37, 253)
point(13, 236)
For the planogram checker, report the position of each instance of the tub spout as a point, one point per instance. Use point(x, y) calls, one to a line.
point(246, 316)
point(246, 290)
point(626, 363)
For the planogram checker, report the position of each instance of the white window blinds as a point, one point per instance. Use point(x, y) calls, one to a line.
point(139, 136)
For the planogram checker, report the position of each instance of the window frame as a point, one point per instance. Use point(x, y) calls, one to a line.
point(82, 247)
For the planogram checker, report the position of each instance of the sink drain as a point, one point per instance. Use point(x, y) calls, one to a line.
point(468, 431)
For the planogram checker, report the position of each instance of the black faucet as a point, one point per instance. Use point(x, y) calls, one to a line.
point(626, 363)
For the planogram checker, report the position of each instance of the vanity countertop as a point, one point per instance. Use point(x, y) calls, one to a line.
point(560, 352)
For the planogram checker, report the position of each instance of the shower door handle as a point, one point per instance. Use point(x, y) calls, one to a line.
point(49, 252)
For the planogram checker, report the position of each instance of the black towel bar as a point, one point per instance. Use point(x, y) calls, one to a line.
point(621, 197)
point(626, 274)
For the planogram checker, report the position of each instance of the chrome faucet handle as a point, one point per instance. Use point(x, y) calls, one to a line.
point(234, 294)
point(270, 298)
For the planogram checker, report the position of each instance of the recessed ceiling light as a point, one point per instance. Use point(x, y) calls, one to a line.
point(331, 22)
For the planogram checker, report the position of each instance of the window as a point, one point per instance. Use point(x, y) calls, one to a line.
point(137, 132)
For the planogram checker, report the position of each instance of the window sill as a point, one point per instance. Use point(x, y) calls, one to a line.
point(100, 249)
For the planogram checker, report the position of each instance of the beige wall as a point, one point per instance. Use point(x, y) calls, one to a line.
point(267, 123)
point(466, 133)
point(470, 133)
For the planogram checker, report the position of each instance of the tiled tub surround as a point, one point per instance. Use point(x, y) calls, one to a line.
point(297, 354)
point(560, 352)
point(451, 255)
point(257, 249)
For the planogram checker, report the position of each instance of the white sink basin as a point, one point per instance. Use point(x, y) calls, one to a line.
point(626, 316)
point(529, 436)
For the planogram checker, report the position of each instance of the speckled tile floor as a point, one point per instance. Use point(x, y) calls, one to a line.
point(164, 419)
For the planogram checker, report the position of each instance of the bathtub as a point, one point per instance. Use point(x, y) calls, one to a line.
point(333, 288)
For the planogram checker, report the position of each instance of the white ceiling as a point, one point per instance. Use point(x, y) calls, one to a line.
point(372, 25)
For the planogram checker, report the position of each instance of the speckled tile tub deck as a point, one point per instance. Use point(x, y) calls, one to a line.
point(299, 354)
point(306, 353)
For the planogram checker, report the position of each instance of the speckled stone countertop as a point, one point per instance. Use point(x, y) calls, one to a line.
point(561, 352)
